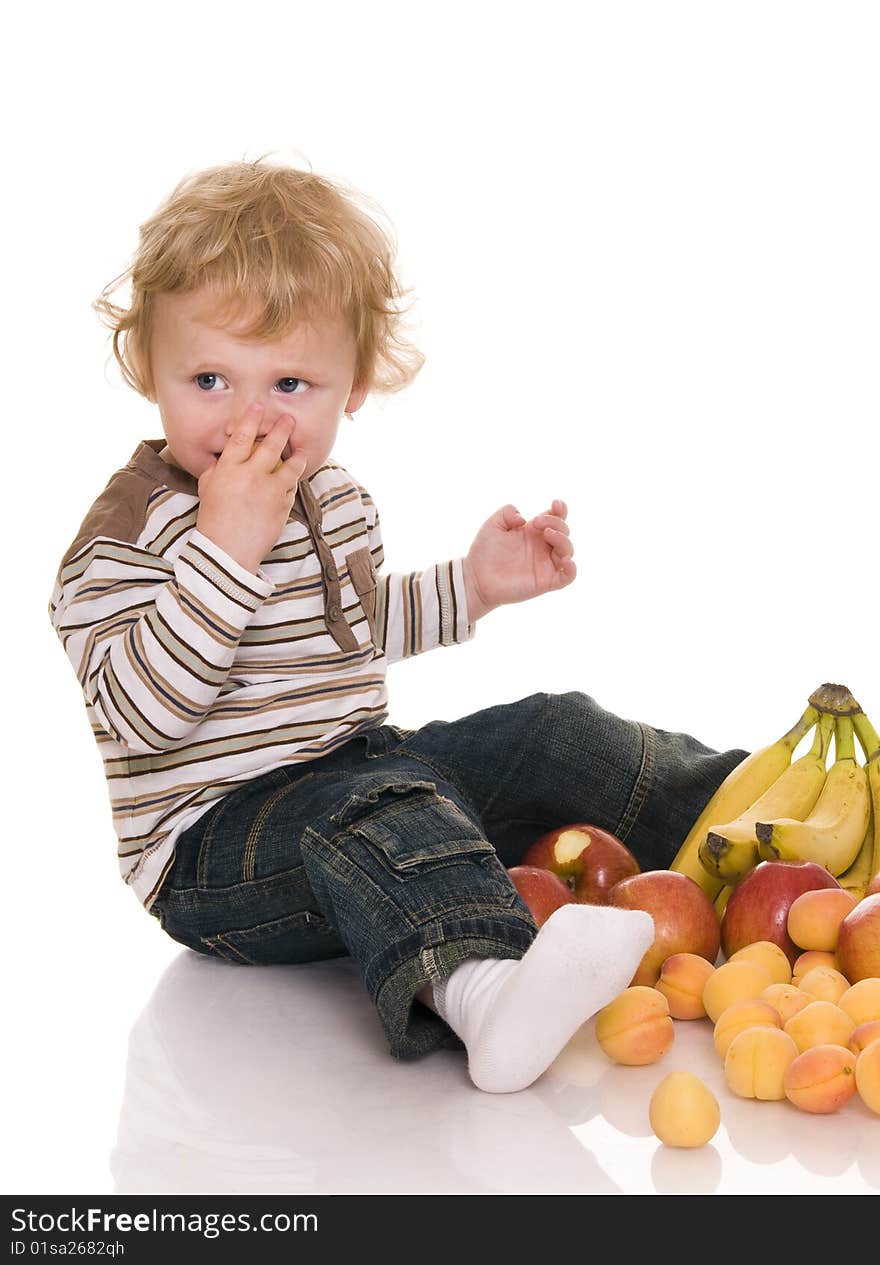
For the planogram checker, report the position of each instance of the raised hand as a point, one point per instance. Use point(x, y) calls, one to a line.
point(246, 493)
point(512, 559)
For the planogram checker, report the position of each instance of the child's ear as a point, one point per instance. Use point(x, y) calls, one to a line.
point(356, 399)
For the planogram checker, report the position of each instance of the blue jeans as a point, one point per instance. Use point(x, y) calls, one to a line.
point(393, 849)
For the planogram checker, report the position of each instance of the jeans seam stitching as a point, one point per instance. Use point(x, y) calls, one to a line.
point(446, 775)
point(643, 782)
point(328, 845)
point(221, 939)
point(248, 861)
point(205, 844)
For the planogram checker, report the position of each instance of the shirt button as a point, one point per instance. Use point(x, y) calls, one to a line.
point(330, 572)
point(333, 612)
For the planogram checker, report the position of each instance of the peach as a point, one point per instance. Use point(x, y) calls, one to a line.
point(683, 1111)
point(810, 958)
point(756, 1062)
point(749, 1013)
point(820, 1023)
point(821, 1079)
point(861, 1001)
point(868, 1076)
point(769, 955)
point(786, 999)
point(814, 918)
point(863, 1035)
point(734, 981)
point(824, 983)
point(682, 980)
point(636, 1027)
point(858, 944)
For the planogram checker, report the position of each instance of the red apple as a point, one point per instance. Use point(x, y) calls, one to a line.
point(591, 860)
point(759, 904)
point(858, 941)
point(542, 891)
point(684, 918)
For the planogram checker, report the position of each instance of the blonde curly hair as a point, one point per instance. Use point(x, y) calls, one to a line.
point(278, 241)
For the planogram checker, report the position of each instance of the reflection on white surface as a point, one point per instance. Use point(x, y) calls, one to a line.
point(278, 1080)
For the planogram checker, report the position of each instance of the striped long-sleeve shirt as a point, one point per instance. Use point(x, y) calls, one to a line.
point(199, 675)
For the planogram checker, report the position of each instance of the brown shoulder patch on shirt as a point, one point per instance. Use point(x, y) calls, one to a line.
point(120, 511)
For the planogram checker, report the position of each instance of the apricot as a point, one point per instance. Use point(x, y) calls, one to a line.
point(824, 983)
point(682, 980)
point(868, 1076)
point(749, 1013)
point(635, 1028)
point(810, 958)
point(820, 1023)
point(786, 999)
point(683, 1111)
point(769, 955)
point(858, 945)
point(734, 981)
point(756, 1062)
point(814, 918)
point(861, 1001)
point(821, 1079)
point(863, 1035)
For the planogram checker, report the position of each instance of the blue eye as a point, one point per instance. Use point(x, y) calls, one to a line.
point(206, 386)
point(291, 390)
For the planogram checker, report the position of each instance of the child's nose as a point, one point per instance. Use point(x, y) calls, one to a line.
point(268, 417)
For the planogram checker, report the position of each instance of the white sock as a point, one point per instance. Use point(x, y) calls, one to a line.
point(515, 1015)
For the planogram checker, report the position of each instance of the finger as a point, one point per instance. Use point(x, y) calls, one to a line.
point(293, 468)
point(510, 517)
point(565, 572)
point(560, 543)
point(241, 441)
point(555, 515)
point(542, 521)
point(272, 445)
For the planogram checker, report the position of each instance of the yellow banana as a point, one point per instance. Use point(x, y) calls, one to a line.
point(731, 850)
point(833, 832)
point(856, 879)
point(721, 900)
point(867, 863)
point(741, 787)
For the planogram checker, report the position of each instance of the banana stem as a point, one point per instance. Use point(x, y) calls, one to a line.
point(867, 734)
point(844, 739)
point(836, 699)
point(803, 726)
point(822, 739)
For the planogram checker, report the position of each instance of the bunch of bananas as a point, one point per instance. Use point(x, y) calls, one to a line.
point(771, 808)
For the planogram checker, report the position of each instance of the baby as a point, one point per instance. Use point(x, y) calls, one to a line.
point(224, 607)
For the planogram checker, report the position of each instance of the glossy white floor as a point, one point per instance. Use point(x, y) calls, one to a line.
point(642, 244)
point(205, 1077)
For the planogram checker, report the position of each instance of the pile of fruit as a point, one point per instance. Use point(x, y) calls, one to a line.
point(779, 879)
point(806, 1034)
point(771, 808)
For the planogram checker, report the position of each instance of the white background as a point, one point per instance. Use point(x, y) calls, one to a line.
point(642, 239)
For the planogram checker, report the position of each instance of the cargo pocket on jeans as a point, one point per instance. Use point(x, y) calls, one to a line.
point(414, 830)
point(362, 571)
point(306, 936)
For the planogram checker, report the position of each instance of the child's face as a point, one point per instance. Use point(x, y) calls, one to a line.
point(206, 377)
